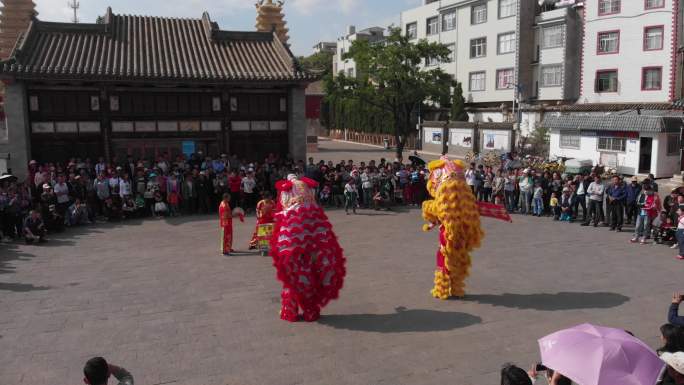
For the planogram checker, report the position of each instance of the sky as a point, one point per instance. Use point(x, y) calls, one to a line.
point(309, 21)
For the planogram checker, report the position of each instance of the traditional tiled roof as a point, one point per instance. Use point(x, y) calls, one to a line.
point(631, 122)
point(128, 47)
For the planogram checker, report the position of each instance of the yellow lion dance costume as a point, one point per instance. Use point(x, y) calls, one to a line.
point(455, 209)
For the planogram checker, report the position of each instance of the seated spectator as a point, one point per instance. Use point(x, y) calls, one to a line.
point(97, 372)
point(129, 208)
point(77, 213)
point(664, 229)
point(34, 228)
point(552, 377)
point(566, 205)
point(513, 375)
point(160, 207)
point(672, 354)
point(111, 210)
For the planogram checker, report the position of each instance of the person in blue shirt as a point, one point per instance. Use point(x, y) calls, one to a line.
point(673, 316)
point(632, 191)
point(616, 203)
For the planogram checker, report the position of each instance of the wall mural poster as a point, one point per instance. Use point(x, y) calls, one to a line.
point(496, 140)
point(489, 141)
point(437, 137)
point(461, 138)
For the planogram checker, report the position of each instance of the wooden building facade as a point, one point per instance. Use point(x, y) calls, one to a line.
point(145, 86)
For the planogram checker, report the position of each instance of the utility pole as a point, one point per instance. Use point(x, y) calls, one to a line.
point(75, 5)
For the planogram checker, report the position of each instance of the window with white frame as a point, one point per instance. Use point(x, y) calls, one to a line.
point(674, 144)
point(552, 75)
point(506, 43)
point(607, 81)
point(452, 52)
point(570, 139)
point(552, 37)
point(507, 8)
point(611, 144)
point(432, 26)
point(449, 21)
point(478, 47)
point(608, 7)
point(431, 61)
point(477, 81)
point(478, 14)
point(608, 42)
point(412, 31)
point(652, 78)
point(505, 79)
point(653, 38)
point(651, 4)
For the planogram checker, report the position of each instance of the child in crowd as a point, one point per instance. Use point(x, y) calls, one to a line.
point(664, 230)
point(160, 207)
point(351, 196)
point(555, 209)
point(325, 195)
point(538, 200)
point(128, 208)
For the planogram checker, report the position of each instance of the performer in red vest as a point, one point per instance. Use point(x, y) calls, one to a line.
point(226, 223)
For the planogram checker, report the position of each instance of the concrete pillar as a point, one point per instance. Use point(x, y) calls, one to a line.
point(296, 123)
point(18, 145)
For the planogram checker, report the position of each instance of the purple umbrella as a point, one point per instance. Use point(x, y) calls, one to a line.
point(594, 355)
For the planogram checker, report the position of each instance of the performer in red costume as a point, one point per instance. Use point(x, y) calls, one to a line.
point(226, 223)
point(305, 251)
point(265, 210)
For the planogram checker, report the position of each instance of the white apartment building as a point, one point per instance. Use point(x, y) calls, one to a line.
point(344, 43)
point(629, 51)
point(504, 49)
point(631, 74)
point(325, 46)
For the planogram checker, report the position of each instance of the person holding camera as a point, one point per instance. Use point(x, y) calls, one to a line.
point(673, 316)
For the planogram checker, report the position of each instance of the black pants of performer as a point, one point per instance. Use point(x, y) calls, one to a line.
point(595, 212)
point(631, 211)
point(616, 214)
point(580, 201)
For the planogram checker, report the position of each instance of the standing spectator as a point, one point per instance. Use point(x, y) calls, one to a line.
point(509, 192)
point(173, 195)
point(479, 182)
point(34, 228)
point(367, 186)
point(498, 188)
point(235, 184)
point(97, 372)
point(680, 233)
point(652, 182)
point(125, 188)
point(596, 191)
point(204, 189)
point(189, 194)
point(487, 184)
point(580, 198)
point(616, 197)
point(632, 192)
point(249, 189)
point(350, 196)
point(526, 185)
point(538, 199)
point(648, 204)
point(470, 177)
point(61, 190)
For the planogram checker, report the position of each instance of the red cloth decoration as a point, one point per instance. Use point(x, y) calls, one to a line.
point(494, 211)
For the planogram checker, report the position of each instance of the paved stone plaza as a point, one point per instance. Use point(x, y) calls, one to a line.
point(157, 298)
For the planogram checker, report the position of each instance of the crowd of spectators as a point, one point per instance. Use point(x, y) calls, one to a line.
point(590, 198)
point(78, 192)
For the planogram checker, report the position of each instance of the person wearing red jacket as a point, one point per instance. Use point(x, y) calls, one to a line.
point(649, 206)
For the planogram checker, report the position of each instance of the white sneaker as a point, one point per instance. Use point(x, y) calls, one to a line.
point(674, 246)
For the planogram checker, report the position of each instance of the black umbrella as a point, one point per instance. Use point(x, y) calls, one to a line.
point(416, 160)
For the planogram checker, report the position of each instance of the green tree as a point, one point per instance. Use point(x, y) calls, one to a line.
point(318, 63)
point(392, 80)
point(458, 113)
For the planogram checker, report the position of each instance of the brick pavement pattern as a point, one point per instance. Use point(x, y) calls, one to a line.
point(156, 297)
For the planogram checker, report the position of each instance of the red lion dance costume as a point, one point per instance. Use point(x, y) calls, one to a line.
point(305, 251)
point(457, 213)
